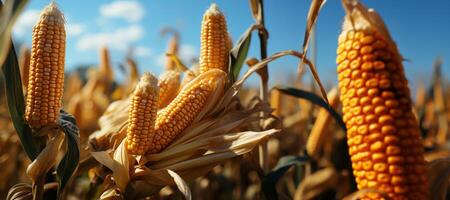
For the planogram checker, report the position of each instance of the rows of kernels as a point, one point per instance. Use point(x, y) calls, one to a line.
point(383, 134)
point(215, 44)
point(46, 73)
point(182, 111)
point(169, 84)
point(142, 115)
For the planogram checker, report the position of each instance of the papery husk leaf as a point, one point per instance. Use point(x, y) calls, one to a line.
point(181, 184)
point(121, 166)
point(241, 145)
point(104, 158)
point(438, 178)
point(317, 183)
point(119, 163)
point(111, 123)
point(20, 191)
point(363, 192)
point(111, 194)
point(47, 158)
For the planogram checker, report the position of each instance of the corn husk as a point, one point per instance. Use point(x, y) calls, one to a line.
point(211, 139)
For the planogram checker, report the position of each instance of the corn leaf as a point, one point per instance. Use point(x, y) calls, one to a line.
point(299, 93)
point(270, 180)
point(239, 53)
point(181, 184)
point(16, 103)
point(69, 163)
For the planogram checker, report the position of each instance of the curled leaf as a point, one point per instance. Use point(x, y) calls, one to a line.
point(181, 184)
point(46, 159)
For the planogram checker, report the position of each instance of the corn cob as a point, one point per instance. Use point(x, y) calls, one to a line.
point(320, 130)
point(172, 48)
point(105, 65)
point(169, 83)
point(215, 42)
point(183, 110)
point(142, 115)
point(276, 102)
point(46, 75)
point(383, 135)
point(24, 65)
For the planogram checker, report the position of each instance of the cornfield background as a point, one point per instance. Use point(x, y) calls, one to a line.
point(200, 131)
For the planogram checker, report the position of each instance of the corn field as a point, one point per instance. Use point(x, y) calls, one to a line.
point(198, 131)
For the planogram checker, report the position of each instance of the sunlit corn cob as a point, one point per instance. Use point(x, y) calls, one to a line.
point(105, 71)
point(142, 115)
point(215, 42)
point(105, 65)
point(321, 128)
point(183, 110)
point(276, 102)
point(172, 48)
point(169, 84)
point(24, 64)
point(383, 135)
point(46, 75)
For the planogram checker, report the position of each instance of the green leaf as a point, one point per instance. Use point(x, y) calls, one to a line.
point(8, 15)
point(303, 94)
point(270, 180)
point(239, 53)
point(69, 163)
point(16, 103)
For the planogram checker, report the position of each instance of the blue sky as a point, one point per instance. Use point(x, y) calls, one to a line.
point(421, 30)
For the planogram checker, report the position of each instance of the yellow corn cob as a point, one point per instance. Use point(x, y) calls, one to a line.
point(169, 83)
point(321, 128)
point(142, 115)
point(383, 135)
point(24, 65)
point(183, 110)
point(215, 42)
point(46, 75)
point(172, 48)
point(106, 70)
point(276, 102)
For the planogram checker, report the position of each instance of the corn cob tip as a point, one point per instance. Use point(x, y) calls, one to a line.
point(52, 11)
point(359, 17)
point(147, 83)
point(213, 10)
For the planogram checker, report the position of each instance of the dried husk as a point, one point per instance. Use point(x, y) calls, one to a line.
point(212, 138)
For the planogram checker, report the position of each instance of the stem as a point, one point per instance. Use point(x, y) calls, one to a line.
point(263, 93)
point(38, 188)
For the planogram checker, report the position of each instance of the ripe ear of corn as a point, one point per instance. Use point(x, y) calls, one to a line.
point(383, 135)
point(46, 74)
point(169, 84)
point(215, 42)
point(24, 64)
point(184, 109)
point(142, 115)
point(172, 48)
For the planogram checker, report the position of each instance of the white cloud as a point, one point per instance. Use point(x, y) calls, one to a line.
point(142, 51)
point(75, 29)
point(25, 22)
point(131, 11)
point(119, 39)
